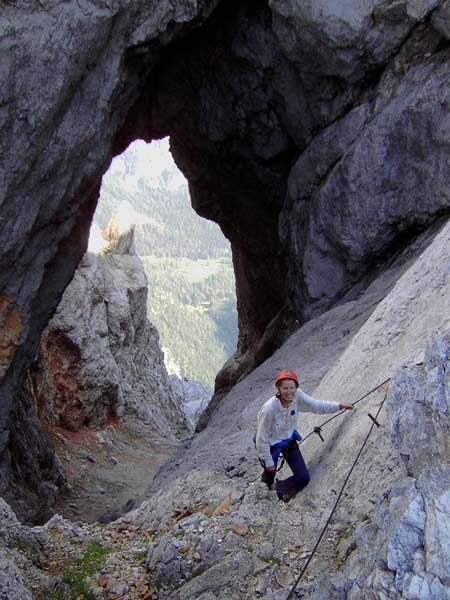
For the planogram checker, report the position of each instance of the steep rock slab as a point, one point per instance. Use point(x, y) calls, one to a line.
point(400, 324)
point(339, 355)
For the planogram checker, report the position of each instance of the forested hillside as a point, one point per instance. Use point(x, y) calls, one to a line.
point(191, 295)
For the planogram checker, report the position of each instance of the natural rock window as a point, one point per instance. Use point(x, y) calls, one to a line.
point(187, 260)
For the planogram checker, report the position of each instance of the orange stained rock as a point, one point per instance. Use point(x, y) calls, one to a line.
point(11, 327)
point(102, 580)
point(239, 528)
point(223, 506)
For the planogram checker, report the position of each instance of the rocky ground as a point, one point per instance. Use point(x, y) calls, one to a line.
point(222, 534)
point(107, 467)
point(183, 544)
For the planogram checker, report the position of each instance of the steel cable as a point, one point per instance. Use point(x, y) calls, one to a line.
point(339, 495)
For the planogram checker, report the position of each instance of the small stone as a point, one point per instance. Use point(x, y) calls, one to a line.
point(419, 357)
point(239, 528)
point(119, 590)
point(87, 455)
point(113, 460)
point(223, 506)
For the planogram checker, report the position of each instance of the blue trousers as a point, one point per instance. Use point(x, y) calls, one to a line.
point(300, 477)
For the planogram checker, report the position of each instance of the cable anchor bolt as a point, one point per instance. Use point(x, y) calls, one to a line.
point(373, 419)
point(318, 430)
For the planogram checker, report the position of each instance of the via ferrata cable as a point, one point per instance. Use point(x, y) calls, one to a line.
point(374, 424)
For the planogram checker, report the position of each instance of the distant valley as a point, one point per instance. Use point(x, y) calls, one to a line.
point(191, 287)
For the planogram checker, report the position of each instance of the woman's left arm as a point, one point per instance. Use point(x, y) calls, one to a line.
point(308, 403)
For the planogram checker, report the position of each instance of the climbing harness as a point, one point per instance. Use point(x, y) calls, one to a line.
point(277, 448)
point(374, 423)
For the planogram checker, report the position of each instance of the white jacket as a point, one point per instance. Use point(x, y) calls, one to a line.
point(276, 423)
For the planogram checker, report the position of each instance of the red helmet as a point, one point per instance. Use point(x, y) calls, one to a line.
point(286, 374)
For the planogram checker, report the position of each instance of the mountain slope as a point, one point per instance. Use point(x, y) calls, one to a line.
point(187, 260)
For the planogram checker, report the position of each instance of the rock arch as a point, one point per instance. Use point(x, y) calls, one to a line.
point(315, 135)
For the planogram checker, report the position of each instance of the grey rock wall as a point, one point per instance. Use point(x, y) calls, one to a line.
point(34, 478)
point(314, 133)
point(403, 550)
point(194, 398)
point(100, 356)
point(340, 214)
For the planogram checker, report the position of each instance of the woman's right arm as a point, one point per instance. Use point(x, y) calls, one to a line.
point(265, 419)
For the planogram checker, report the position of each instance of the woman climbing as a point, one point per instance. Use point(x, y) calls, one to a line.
point(277, 433)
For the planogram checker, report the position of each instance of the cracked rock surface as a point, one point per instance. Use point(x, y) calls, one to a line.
point(314, 133)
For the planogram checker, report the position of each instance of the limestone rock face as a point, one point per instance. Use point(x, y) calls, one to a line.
point(403, 550)
point(100, 356)
point(99, 361)
point(194, 397)
point(67, 84)
point(325, 40)
point(338, 105)
point(314, 133)
point(341, 220)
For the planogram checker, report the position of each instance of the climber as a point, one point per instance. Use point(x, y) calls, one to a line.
point(277, 434)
